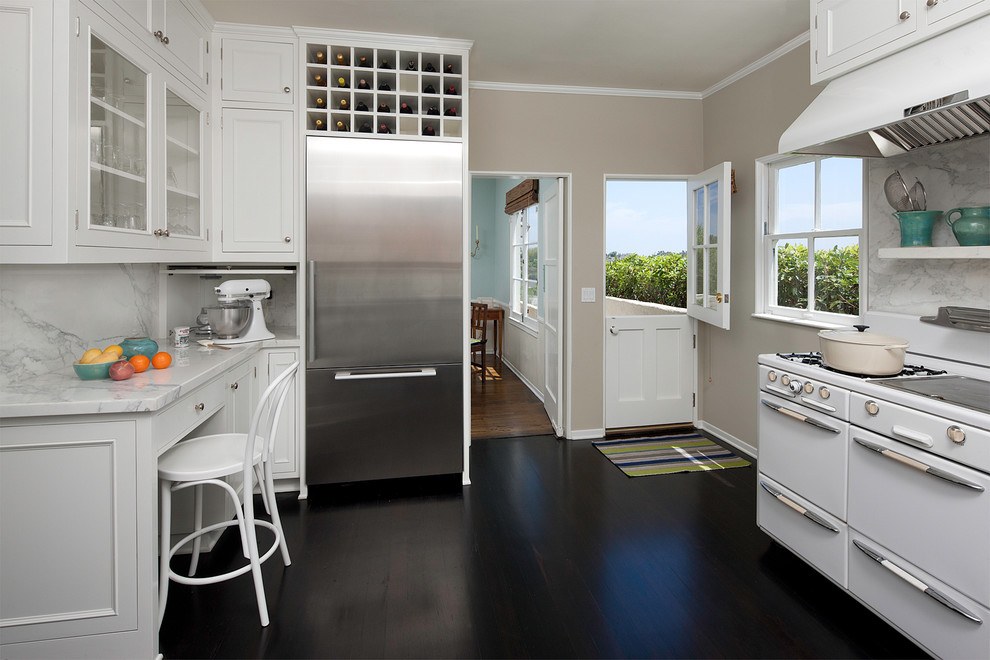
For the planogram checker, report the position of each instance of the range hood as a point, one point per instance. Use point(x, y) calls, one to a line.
point(934, 92)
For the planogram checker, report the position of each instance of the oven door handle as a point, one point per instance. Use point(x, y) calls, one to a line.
point(810, 515)
point(915, 582)
point(918, 465)
point(793, 414)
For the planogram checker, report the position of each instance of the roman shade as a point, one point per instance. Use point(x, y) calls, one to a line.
point(525, 194)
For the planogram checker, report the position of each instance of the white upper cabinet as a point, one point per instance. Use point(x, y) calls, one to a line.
point(257, 71)
point(26, 118)
point(174, 28)
point(847, 34)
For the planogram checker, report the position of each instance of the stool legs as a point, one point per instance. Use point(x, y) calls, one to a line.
point(259, 586)
point(164, 532)
point(269, 485)
point(198, 525)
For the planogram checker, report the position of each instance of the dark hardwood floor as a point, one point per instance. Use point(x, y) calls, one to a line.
point(505, 408)
point(552, 552)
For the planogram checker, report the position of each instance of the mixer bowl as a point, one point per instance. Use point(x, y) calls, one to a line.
point(229, 319)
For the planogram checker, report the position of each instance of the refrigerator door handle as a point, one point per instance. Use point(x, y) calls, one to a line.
point(311, 310)
point(369, 374)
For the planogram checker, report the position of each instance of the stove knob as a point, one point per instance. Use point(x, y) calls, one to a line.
point(809, 388)
point(771, 376)
point(824, 392)
point(794, 386)
point(956, 434)
point(785, 380)
point(872, 408)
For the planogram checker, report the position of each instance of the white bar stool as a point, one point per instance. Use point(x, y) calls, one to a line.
point(206, 461)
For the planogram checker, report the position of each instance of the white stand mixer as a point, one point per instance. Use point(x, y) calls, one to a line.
point(233, 291)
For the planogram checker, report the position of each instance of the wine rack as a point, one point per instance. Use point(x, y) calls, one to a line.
point(383, 92)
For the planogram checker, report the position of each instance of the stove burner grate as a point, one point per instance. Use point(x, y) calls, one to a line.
point(814, 359)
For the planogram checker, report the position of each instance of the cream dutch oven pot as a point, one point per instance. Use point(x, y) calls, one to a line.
point(859, 352)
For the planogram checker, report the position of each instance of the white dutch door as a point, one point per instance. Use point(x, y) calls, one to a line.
point(552, 225)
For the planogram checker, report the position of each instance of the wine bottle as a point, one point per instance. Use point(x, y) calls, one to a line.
point(383, 107)
point(320, 102)
point(363, 84)
point(429, 89)
point(383, 128)
point(341, 126)
point(405, 109)
point(384, 87)
point(318, 80)
point(429, 68)
point(450, 112)
point(429, 130)
point(341, 82)
point(411, 65)
point(432, 110)
point(365, 128)
point(341, 59)
point(319, 124)
point(343, 104)
point(449, 68)
point(320, 57)
point(363, 61)
point(361, 106)
point(384, 64)
point(451, 89)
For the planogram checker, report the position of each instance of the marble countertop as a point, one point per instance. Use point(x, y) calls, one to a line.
point(62, 393)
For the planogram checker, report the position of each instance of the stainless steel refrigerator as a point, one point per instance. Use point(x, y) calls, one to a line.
point(385, 351)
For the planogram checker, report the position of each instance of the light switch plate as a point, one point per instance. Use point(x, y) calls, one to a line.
point(588, 294)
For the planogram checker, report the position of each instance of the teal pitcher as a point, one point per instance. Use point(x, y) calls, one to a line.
point(916, 227)
point(972, 226)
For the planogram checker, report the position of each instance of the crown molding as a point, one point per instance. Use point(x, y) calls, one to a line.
point(758, 64)
point(588, 91)
point(380, 39)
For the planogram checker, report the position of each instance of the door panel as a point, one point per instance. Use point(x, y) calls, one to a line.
point(708, 245)
point(553, 229)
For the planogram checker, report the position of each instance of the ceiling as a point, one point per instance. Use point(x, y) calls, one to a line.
point(661, 45)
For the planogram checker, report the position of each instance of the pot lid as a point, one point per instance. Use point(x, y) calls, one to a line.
point(864, 338)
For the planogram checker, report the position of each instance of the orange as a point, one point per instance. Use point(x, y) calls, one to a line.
point(140, 362)
point(161, 360)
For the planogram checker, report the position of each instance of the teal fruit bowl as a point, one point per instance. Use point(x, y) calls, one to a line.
point(139, 346)
point(92, 371)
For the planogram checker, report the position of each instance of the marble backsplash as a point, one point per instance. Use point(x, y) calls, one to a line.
point(954, 175)
point(50, 314)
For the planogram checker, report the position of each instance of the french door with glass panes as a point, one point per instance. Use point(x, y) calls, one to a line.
point(708, 241)
point(140, 180)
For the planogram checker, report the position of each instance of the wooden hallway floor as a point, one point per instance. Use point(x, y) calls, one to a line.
point(506, 408)
point(552, 552)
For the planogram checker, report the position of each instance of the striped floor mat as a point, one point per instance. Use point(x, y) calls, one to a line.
point(668, 454)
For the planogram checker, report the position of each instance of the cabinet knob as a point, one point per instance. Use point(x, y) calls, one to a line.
point(200, 407)
point(955, 433)
point(159, 35)
point(233, 386)
point(932, 3)
point(872, 408)
point(288, 239)
point(165, 233)
point(157, 232)
point(905, 15)
point(286, 89)
point(165, 40)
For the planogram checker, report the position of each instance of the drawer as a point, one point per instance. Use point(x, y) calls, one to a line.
point(938, 520)
point(813, 534)
point(806, 457)
point(187, 413)
point(936, 626)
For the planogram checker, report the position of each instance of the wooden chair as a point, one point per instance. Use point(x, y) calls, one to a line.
point(479, 338)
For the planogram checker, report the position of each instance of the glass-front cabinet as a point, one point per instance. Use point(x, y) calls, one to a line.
point(142, 183)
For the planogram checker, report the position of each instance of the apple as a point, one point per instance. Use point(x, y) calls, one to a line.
point(121, 370)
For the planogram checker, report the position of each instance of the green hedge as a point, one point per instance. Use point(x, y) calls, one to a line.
point(662, 278)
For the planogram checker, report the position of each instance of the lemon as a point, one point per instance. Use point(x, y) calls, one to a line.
point(90, 355)
point(105, 357)
point(115, 349)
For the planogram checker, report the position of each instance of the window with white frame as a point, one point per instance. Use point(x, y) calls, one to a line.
point(811, 231)
point(524, 260)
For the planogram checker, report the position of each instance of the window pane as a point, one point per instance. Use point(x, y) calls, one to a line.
point(795, 198)
point(532, 270)
point(837, 275)
point(842, 193)
point(699, 218)
point(521, 261)
point(699, 276)
point(534, 226)
point(713, 212)
point(792, 273)
point(712, 276)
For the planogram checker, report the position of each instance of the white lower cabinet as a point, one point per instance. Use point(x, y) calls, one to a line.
point(241, 397)
point(287, 434)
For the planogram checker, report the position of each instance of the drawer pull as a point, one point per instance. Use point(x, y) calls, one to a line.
point(810, 515)
point(918, 465)
point(916, 583)
point(781, 391)
point(374, 374)
point(200, 407)
point(818, 406)
point(915, 437)
point(793, 414)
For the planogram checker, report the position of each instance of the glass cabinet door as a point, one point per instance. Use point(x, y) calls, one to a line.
point(183, 130)
point(118, 142)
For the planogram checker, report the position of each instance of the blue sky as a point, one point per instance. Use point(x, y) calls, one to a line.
point(645, 217)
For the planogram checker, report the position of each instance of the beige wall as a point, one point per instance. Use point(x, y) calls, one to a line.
point(588, 137)
point(741, 123)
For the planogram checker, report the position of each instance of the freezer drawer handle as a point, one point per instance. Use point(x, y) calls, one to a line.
point(916, 583)
point(311, 310)
point(793, 414)
point(918, 465)
point(369, 375)
point(810, 515)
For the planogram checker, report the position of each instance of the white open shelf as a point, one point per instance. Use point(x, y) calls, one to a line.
point(945, 252)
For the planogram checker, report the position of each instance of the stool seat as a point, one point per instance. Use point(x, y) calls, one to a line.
point(207, 457)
